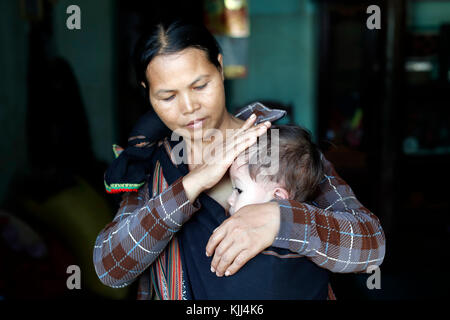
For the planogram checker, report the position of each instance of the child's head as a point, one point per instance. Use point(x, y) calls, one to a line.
point(299, 168)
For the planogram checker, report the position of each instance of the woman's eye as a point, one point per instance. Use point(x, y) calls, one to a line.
point(169, 98)
point(201, 87)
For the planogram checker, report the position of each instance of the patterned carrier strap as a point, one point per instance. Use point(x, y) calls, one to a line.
point(165, 273)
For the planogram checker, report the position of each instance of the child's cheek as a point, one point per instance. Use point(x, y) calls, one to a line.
point(237, 204)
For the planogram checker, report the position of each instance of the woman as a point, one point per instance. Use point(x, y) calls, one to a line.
point(180, 67)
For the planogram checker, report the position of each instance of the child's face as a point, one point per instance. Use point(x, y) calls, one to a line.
point(246, 190)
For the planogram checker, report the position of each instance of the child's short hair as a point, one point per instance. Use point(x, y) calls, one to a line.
point(300, 167)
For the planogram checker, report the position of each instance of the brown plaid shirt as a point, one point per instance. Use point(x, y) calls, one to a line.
point(336, 232)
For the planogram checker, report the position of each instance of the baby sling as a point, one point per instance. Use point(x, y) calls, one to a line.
point(276, 274)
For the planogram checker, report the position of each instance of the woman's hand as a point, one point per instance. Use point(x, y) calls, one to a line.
point(218, 156)
point(238, 239)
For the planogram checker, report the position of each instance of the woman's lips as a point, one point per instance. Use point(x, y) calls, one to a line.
point(198, 123)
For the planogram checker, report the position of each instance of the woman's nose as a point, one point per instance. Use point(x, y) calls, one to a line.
point(189, 105)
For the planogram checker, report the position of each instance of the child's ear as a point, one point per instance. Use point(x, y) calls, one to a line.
point(280, 193)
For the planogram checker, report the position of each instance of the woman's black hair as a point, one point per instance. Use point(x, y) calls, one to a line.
point(172, 37)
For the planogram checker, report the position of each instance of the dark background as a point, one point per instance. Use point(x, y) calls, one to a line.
point(377, 102)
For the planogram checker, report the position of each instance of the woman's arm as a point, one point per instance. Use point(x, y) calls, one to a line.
point(143, 227)
point(337, 234)
point(139, 232)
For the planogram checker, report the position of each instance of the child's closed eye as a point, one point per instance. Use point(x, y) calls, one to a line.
point(238, 190)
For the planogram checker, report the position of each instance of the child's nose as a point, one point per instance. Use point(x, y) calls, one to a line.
point(230, 199)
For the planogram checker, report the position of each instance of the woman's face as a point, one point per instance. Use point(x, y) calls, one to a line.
point(187, 92)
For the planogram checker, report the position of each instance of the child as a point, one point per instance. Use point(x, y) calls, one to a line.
point(275, 273)
point(299, 171)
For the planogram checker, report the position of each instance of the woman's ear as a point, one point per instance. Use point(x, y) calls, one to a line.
point(280, 193)
point(220, 59)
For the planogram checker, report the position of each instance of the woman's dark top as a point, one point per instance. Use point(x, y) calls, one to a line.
point(263, 277)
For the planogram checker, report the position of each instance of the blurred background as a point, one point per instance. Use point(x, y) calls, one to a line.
point(376, 100)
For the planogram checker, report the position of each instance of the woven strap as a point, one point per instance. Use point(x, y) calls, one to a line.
point(165, 273)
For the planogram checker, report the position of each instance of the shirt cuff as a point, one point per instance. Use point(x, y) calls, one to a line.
point(174, 207)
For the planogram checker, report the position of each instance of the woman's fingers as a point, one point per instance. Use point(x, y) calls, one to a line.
point(219, 155)
point(223, 247)
point(215, 239)
point(225, 244)
point(241, 142)
point(247, 130)
point(241, 259)
point(232, 150)
point(221, 254)
point(228, 258)
point(248, 232)
point(249, 134)
point(249, 122)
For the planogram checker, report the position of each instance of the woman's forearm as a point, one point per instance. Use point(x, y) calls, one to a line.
point(192, 186)
point(336, 231)
point(335, 240)
point(140, 231)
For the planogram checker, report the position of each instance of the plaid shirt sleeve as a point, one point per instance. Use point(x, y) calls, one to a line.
point(336, 233)
point(140, 231)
